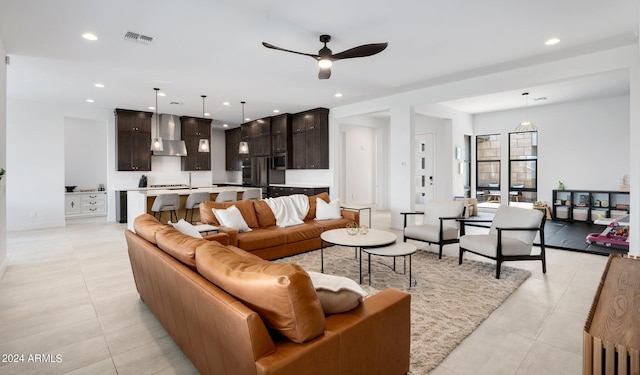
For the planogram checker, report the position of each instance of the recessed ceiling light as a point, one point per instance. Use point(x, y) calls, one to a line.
point(152, 108)
point(276, 111)
point(225, 103)
point(90, 101)
point(225, 125)
point(207, 114)
point(100, 85)
point(247, 119)
point(89, 36)
point(552, 41)
point(338, 95)
point(162, 94)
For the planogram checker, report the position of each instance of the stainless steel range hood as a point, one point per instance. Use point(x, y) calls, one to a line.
point(170, 132)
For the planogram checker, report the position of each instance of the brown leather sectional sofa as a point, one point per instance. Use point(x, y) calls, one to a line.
point(268, 241)
point(231, 312)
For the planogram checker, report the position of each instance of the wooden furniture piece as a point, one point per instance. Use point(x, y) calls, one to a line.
point(85, 204)
point(510, 237)
point(310, 140)
point(439, 224)
point(193, 130)
point(282, 190)
point(133, 140)
point(588, 205)
point(233, 160)
point(611, 337)
point(280, 133)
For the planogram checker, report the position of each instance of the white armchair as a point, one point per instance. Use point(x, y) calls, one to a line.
point(439, 224)
point(510, 237)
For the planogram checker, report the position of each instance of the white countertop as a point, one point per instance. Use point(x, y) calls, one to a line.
point(86, 192)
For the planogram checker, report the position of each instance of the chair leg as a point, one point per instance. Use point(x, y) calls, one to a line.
point(461, 254)
point(498, 266)
point(440, 253)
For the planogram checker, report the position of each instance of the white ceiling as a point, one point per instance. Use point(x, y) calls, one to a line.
point(213, 47)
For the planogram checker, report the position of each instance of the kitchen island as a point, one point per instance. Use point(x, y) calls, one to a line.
point(140, 200)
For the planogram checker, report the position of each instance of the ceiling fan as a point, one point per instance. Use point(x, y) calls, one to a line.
point(326, 58)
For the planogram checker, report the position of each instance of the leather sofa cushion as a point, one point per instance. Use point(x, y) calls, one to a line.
point(265, 215)
point(306, 231)
point(179, 245)
point(282, 294)
point(333, 223)
point(260, 238)
point(146, 226)
point(312, 205)
point(245, 207)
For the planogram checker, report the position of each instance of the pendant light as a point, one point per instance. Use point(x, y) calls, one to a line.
point(244, 146)
point(156, 143)
point(526, 126)
point(203, 144)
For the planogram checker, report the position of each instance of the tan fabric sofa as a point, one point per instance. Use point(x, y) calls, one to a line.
point(268, 241)
point(231, 312)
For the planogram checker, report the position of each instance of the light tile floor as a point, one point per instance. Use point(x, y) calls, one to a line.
point(68, 305)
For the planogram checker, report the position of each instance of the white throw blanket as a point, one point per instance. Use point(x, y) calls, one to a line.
point(289, 210)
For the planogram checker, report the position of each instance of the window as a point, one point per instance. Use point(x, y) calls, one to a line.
point(488, 167)
point(467, 166)
point(523, 167)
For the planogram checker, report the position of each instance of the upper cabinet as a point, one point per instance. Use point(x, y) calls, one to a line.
point(133, 140)
point(193, 130)
point(310, 140)
point(232, 156)
point(303, 137)
point(280, 133)
point(259, 136)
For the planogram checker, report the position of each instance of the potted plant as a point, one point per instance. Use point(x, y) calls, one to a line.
point(2, 172)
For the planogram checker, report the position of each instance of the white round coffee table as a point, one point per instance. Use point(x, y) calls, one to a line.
point(399, 249)
point(373, 238)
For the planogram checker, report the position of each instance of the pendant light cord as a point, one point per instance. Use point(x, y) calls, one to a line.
point(242, 120)
point(203, 96)
point(157, 119)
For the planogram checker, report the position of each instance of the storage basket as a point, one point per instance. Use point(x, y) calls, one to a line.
point(611, 337)
point(616, 214)
point(580, 214)
point(562, 213)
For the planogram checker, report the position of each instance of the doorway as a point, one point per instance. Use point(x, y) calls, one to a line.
point(424, 170)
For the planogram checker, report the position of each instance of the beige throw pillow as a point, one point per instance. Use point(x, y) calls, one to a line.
point(337, 294)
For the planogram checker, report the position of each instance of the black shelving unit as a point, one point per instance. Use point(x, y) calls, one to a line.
point(587, 205)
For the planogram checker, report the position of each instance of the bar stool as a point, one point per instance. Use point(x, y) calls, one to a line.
point(226, 196)
point(166, 202)
point(193, 202)
point(252, 194)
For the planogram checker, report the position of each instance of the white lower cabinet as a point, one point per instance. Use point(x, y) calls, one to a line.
point(86, 204)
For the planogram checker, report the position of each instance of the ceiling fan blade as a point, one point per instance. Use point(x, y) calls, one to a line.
point(324, 73)
point(288, 50)
point(361, 51)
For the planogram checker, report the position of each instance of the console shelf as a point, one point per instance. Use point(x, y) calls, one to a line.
point(587, 205)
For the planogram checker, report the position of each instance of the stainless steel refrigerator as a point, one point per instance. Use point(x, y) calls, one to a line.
point(262, 174)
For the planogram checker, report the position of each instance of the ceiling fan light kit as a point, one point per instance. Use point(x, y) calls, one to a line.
point(326, 58)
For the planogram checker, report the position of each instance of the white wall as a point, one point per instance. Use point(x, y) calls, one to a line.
point(402, 112)
point(583, 144)
point(3, 161)
point(360, 165)
point(85, 153)
point(36, 186)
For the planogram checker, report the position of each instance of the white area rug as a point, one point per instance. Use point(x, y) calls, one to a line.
point(448, 301)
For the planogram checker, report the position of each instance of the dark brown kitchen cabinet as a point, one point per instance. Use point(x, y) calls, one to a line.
point(233, 161)
point(193, 130)
point(280, 130)
point(259, 135)
point(310, 139)
point(133, 140)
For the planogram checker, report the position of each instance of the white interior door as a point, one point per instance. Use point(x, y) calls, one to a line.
point(424, 170)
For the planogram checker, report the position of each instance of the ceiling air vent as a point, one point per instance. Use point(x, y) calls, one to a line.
point(139, 38)
point(176, 103)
